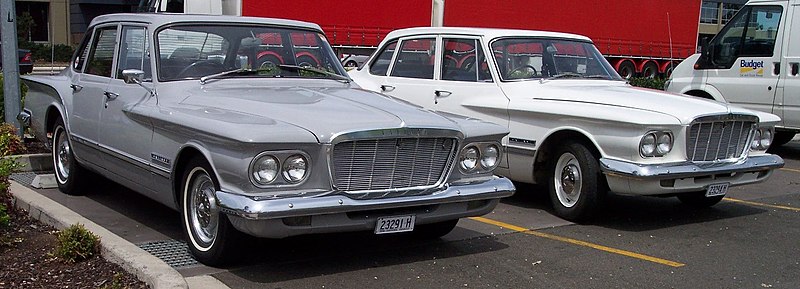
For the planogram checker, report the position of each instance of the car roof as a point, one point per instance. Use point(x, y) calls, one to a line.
point(489, 33)
point(159, 19)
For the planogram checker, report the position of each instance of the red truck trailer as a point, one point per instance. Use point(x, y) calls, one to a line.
point(641, 37)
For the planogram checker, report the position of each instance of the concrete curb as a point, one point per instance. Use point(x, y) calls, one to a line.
point(146, 267)
point(35, 162)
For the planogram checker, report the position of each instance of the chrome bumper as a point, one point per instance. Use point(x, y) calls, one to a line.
point(251, 209)
point(688, 169)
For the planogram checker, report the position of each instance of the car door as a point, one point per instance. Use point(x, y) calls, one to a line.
point(788, 102)
point(748, 54)
point(88, 87)
point(125, 139)
point(447, 74)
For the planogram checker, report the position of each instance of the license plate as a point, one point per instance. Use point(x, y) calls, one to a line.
point(395, 224)
point(717, 190)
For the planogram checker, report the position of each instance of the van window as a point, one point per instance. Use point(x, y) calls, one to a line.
point(752, 32)
point(794, 41)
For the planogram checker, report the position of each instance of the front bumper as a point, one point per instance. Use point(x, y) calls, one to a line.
point(336, 212)
point(637, 179)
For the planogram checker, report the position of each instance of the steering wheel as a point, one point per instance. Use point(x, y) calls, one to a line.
point(201, 68)
point(515, 73)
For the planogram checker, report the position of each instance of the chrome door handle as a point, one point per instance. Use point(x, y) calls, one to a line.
point(110, 95)
point(442, 93)
point(387, 88)
point(75, 87)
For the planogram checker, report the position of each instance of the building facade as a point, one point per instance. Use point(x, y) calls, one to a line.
point(50, 20)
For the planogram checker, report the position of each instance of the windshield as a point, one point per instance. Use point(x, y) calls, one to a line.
point(537, 58)
point(195, 51)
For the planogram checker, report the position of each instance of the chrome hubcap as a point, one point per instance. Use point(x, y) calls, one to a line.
point(202, 206)
point(62, 154)
point(568, 180)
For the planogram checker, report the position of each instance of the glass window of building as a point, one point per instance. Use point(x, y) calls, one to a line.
point(709, 12)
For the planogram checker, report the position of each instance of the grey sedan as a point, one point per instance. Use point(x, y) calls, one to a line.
point(250, 125)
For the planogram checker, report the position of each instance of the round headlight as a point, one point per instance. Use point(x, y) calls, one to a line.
point(264, 169)
point(648, 145)
point(756, 140)
point(766, 139)
point(469, 158)
point(295, 168)
point(489, 157)
point(664, 144)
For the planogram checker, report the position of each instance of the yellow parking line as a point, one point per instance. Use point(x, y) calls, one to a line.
point(791, 170)
point(580, 243)
point(763, 205)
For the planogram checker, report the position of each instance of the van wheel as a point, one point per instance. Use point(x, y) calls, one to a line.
point(209, 234)
point(699, 199)
point(574, 182)
point(70, 175)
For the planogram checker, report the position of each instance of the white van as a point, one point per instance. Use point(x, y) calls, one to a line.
point(752, 62)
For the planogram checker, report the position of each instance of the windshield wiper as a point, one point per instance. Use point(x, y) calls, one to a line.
point(334, 76)
point(206, 78)
point(576, 75)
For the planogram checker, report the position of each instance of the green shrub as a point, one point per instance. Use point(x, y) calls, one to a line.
point(23, 91)
point(77, 244)
point(10, 143)
point(646, 82)
point(41, 52)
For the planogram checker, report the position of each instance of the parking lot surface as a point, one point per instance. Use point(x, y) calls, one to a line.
point(749, 240)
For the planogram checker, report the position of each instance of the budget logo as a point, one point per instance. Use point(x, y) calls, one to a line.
point(751, 68)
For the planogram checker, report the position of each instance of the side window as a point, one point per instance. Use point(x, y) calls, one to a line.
point(752, 32)
point(762, 30)
point(81, 53)
point(101, 56)
point(381, 65)
point(133, 51)
point(463, 60)
point(416, 59)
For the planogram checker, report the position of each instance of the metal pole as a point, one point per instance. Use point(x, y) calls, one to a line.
point(11, 92)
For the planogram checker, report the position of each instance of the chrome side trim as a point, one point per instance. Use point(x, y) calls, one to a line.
point(249, 208)
point(519, 150)
point(688, 169)
point(133, 160)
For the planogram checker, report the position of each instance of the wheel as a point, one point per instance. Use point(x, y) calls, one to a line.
point(782, 138)
point(699, 199)
point(209, 234)
point(435, 230)
point(70, 175)
point(350, 63)
point(574, 182)
point(307, 61)
point(650, 70)
point(626, 69)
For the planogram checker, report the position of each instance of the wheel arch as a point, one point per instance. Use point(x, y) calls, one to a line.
point(551, 142)
point(185, 154)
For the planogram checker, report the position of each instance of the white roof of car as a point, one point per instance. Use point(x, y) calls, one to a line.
point(489, 33)
point(159, 19)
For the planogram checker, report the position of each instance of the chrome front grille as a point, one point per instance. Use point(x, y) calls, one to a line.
point(719, 137)
point(389, 164)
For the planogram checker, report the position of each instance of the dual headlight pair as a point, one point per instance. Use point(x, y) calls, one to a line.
point(486, 155)
point(762, 139)
point(266, 167)
point(656, 144)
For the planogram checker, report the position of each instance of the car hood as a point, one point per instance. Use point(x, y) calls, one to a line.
point(620, 95)
point(325, 111)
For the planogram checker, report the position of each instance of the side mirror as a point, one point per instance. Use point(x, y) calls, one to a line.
point(132, 76)
point(135, 76)
point(704, 61)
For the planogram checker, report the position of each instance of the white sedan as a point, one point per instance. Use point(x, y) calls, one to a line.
point(575, 124)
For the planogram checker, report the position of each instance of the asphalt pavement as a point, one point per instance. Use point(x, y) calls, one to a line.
point(749, 240)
